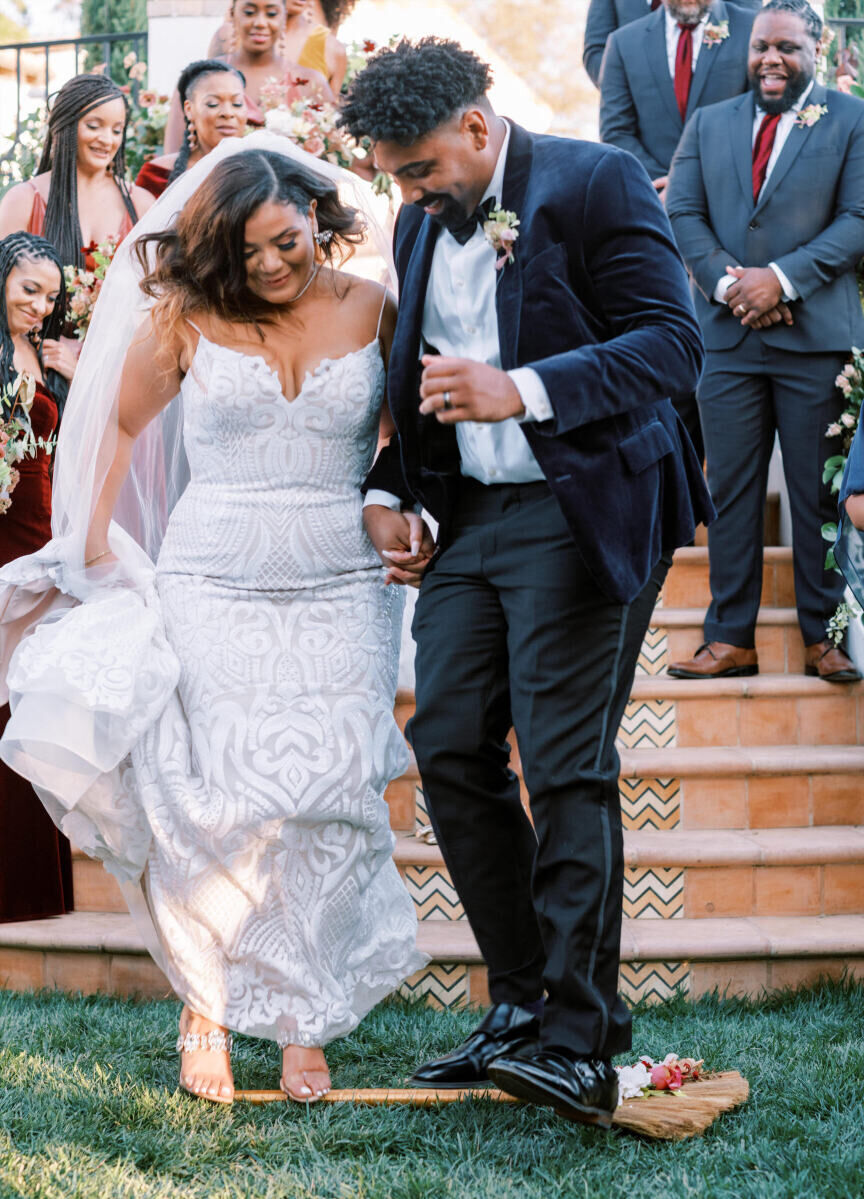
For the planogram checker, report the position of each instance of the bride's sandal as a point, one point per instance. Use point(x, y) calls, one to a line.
point(200, 1083)
point(305, 1085)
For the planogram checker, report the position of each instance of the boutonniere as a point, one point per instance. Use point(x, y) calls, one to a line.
point(501, 230)
point(715, 34)
point(810, 115)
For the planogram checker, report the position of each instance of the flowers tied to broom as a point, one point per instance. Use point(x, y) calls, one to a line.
point(501, 229)
point(84, 284)
point(646, 1075)
point(17, 439)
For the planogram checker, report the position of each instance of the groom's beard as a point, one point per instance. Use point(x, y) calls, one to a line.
point(452, 214)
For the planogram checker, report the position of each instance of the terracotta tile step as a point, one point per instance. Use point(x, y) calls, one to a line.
point(706, 849)
point(98, 936)
point(687, 581)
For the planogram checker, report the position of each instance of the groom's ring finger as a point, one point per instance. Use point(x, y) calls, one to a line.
point(742, 309)
point(448, 403)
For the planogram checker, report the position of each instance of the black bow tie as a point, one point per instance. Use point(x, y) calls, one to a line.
point(464, 233)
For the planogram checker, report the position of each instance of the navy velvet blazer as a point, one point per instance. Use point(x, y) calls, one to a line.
point(809, 218)
point(638, 109)
point(597, 303)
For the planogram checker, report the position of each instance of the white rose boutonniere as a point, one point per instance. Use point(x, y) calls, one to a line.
point(715, 34)
point(502, 230)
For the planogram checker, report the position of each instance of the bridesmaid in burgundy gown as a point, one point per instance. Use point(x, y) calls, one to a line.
point(35, 862)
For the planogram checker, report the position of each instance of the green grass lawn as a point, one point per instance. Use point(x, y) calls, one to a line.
point(88, 1109)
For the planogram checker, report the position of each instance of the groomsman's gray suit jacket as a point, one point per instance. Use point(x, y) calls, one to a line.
point(605, 16)
point(809, 218)
point(638, 109)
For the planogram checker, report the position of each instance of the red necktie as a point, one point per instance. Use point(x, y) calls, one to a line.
point(683, 67)
point(762, 148)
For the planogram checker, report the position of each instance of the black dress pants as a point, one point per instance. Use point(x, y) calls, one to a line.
point(511, 629)
point(745, 395)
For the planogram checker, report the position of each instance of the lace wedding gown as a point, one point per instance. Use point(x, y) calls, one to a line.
point(257, 679)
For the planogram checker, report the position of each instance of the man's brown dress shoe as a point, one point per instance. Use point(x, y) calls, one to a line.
point(829, 662)
point(716, 660)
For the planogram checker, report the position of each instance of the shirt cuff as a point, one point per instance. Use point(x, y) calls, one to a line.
point(789, 292)
point(533, 393)
point(722, 287)
point(385, 499)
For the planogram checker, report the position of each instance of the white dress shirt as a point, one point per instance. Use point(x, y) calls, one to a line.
point(460, 321)
point(784, 128)
point(672, 35)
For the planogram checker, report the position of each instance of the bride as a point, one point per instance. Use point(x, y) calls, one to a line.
point(219, 729)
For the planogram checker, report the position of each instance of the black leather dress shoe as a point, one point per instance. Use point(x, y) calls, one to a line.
point(579, 1090)
point(504, 1028)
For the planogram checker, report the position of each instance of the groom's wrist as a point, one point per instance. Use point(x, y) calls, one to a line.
point(533, 393)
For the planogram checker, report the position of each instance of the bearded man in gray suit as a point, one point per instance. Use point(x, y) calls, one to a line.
point(766, 199)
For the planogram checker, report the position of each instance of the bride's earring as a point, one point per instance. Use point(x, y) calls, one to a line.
point(324, 237)
point(191, 136)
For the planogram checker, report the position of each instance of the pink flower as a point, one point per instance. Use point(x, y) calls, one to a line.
point(844, 83)
point(689, 1067)
point(145, 99)
point(138, 71)
point(666, 1078)
point(99, 69)
point(314, 144)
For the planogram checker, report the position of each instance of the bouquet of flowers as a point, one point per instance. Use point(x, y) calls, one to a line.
point(850, 384)
point(310, 123)
point(146, 129)
point(17, 440)
point(83, 285)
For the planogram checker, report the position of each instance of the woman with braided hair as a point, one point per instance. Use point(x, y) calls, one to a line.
point(257, 45)
point(214, 107)
point(35, 862)
point(79, 196)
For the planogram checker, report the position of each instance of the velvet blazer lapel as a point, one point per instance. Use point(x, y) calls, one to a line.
point(405, 351)
point(508, 291)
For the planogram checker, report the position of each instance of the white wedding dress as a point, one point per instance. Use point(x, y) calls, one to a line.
point(254, 681)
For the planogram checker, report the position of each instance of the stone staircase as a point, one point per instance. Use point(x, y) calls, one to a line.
point(743, 804)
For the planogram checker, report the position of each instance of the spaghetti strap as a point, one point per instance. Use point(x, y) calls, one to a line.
point(381, 314)
point(200, 332)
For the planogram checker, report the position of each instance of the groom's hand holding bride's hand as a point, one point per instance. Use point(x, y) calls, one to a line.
point(403, 541)
point(457, 389)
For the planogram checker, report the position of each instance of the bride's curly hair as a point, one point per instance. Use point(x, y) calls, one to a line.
point(200, 264)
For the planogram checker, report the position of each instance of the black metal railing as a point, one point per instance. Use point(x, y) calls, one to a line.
point(103, 42)
point(843, 25)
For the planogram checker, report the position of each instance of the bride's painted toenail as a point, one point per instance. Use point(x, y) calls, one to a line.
point(305, 1090)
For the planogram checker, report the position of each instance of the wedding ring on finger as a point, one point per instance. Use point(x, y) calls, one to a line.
point(448, 403)
point(742, 310)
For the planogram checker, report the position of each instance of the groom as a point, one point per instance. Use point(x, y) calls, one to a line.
point(528, 382)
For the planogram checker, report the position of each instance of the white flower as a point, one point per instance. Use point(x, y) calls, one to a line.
point(632, 1080)
point(834, 429)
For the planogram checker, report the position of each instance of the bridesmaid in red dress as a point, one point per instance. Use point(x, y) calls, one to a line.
point(214, 107)
point(35, 862)
point(79, 196)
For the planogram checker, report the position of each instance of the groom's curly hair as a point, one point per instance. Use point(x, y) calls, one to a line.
point(410, 89)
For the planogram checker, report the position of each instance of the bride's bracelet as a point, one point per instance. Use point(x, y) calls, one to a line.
point(96, 559)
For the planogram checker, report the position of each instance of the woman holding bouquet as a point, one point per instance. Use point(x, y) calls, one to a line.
point(214, 107)
point(257, 50)
point(79, 197)
point(35, 863)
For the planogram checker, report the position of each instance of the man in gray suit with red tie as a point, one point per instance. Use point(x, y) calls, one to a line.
point(766, 199)
point(605, 16)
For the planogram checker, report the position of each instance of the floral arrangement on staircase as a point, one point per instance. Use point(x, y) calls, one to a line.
point(850, 383)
